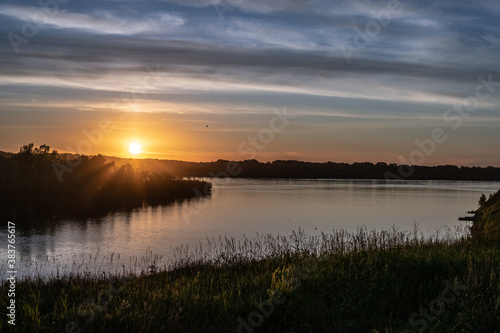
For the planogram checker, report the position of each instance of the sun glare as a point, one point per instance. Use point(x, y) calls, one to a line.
point(134, 148)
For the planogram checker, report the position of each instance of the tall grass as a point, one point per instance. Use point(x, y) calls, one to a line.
point(223, 249)
point(366, 281)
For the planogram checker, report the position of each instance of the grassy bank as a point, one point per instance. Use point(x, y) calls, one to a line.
point(366, 282)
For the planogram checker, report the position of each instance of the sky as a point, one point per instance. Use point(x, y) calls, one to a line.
point(407, 82)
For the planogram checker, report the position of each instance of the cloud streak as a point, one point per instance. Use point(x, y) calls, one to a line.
point(102, 22)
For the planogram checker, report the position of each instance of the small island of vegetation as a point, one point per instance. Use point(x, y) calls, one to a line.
point(30, 187)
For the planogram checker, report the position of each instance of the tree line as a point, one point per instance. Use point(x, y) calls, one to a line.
point(326, 170)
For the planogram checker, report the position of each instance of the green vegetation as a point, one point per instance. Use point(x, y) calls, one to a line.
point(37, 183)
point(387, 281)
point(487, 217)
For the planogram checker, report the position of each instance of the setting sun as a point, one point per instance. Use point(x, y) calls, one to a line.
point(134, 148)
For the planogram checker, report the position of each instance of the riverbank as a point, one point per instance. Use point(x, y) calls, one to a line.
point(364, 282)
point(487, 217)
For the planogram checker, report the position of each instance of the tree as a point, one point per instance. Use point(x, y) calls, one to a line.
point(482, 200)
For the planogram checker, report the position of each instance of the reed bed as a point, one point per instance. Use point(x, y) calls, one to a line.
point(364, 281)
point(222, 249)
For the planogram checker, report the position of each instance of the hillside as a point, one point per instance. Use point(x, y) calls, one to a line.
point(487, 217)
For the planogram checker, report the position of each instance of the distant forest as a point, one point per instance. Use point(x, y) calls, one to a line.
point(298, 169)
point(37, 184)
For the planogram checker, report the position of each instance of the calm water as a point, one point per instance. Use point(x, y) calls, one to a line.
point(246, 207)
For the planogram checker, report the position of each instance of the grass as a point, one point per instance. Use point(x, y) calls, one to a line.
point(338, 282)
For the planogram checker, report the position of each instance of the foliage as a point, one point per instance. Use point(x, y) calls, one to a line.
point(30, 187)
point(487, 217)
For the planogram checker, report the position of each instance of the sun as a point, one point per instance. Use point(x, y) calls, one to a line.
point(134, 148)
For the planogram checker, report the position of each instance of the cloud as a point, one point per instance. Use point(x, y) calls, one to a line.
point(116, 66)
point(263, 53)
point(256, 6)
point(98, 22)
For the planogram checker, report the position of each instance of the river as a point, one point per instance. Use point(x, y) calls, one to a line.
point(240, 207)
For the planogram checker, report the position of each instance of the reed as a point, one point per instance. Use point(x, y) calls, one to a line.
point(366, 281)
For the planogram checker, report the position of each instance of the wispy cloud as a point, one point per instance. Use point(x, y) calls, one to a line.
point(99, 21)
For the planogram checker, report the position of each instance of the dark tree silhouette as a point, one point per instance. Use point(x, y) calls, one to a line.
point(30, 187)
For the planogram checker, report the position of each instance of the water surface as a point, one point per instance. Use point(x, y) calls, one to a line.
point(246, 207)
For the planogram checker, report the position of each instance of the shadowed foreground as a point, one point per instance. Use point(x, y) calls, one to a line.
point(365, 282)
